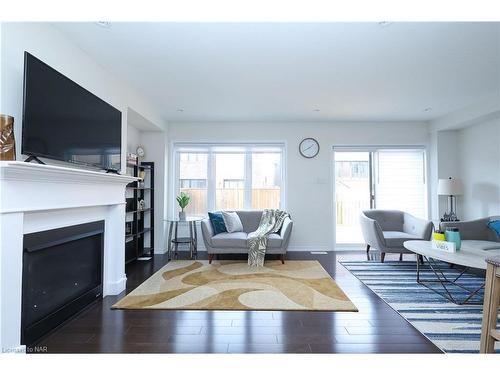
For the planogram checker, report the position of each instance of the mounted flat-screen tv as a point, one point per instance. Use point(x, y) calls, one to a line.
point(63, 121)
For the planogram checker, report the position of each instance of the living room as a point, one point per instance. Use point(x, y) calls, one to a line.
point(250, 187)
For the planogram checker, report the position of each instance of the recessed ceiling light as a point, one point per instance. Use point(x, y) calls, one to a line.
point(180, 110)
point(385, 23)
point(317, 110)
point(428, 109)
point(104, 24)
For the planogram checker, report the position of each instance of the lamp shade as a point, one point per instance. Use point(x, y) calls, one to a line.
point(450, 186)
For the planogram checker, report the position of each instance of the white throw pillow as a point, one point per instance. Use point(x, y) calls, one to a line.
point(232, 221)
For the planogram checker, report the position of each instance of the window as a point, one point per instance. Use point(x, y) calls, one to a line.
point(266, 180)
point(193, 175)
point(193, 183)
point(230, 177)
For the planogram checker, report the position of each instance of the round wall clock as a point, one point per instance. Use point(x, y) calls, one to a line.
point(309, 148)
point(140, 151)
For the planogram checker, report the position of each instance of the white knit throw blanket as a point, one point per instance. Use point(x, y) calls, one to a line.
point(270, 222)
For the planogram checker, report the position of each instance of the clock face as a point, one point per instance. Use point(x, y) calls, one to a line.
point(140, 151)
point(309, 148)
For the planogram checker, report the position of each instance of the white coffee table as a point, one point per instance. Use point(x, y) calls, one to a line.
point(467, 257)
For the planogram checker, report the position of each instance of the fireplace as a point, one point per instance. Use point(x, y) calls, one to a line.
point(62, 273)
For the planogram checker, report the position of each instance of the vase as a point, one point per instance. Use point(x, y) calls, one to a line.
point(7, 143)
point(453, 235)
point(182, 215)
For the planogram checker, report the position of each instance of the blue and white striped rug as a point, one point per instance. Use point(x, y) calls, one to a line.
point(453, 328)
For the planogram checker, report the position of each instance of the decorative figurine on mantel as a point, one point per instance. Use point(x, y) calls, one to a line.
point(7, 142)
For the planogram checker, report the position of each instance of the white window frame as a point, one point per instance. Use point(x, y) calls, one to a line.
point(211, 149)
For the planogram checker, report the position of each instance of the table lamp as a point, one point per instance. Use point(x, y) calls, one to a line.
point(451, 188)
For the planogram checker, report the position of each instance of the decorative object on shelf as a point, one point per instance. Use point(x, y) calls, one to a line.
point(141, 205)
point(450, 187)
point(453, 235)
point(142, 174)
point(7, 141)
point(309, 148)
point(131, 159)
point(128, 227)
point(140, 151)
point(183, 200)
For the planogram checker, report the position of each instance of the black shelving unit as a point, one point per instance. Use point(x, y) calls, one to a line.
point(139, 226)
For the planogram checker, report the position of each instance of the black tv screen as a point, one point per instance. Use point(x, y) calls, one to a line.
point(64, 121)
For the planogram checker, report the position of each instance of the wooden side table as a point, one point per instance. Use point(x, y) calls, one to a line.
point(489, 333)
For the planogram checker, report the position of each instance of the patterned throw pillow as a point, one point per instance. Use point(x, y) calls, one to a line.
point(232, 221)
point(217, 221)
point(494, 225)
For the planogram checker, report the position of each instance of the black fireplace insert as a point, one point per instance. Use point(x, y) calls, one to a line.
point(62, 273)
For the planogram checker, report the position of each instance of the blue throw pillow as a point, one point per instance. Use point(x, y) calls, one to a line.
point(495, 226)
point(217, 221)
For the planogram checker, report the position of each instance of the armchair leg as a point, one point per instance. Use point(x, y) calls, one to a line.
point(382, 257)
point(367, 252)
point(210, 258)
point(400, 257)
point(282, 258)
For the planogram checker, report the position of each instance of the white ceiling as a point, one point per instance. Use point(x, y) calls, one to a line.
point(287, 72)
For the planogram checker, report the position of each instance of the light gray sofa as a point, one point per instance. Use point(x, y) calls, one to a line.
point(475, 233)
point(387, 230)
point(236, 243)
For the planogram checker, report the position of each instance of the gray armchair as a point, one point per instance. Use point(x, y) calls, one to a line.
point(387, 230)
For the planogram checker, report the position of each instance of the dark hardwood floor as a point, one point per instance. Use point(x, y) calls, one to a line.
point(376, 328)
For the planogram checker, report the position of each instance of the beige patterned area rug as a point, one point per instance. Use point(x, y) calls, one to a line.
point(232, 285)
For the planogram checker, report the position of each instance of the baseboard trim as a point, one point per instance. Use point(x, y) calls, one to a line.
point(116, 287)
point(290, 248)
point(309, 248)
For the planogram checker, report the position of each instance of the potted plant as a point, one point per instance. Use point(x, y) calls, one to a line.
point(183, 200)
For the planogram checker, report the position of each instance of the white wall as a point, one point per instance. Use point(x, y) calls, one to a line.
point(479, 164)
point(155, 146)
point(465, 144)
point(133, 138)
point(51, 46)
point(309, 197)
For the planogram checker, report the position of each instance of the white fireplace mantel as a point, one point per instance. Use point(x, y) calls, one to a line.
point(36, 197)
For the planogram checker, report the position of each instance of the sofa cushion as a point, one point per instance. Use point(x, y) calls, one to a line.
point(482, 245)
point(396, 238)
point(250, 220)
point(235, 239)
point(232, 221)
point(217, 221)
point(494, 225)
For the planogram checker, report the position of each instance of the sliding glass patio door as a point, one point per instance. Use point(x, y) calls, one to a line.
point(382, 178)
